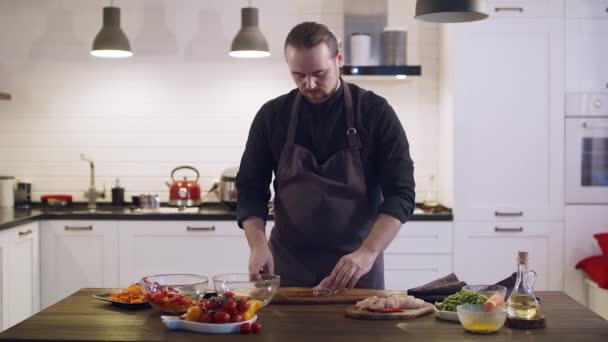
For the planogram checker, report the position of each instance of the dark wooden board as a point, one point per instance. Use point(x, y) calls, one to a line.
point(353, 312)
point(304, 295)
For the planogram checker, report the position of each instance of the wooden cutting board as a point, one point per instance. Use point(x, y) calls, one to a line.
point(355, 313)
point(303, 295)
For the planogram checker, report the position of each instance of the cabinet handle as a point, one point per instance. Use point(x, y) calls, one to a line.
point(509, 9)
point(509, 230)
point(592, 126)
point(201, 229)
point(25, 233)
point(510, 214)
point(79, 228)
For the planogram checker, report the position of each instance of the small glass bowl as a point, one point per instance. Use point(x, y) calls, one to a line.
point(487, 290)
point(475, 319)
point(173, 293)
point(254, 286)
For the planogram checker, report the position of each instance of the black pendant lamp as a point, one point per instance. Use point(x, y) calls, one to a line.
point(450, 11)
point(111, 41)
point(249, 41)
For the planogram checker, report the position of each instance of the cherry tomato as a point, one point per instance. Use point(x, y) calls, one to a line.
point(206, 318)
point(203, 304)
point(221, 317)
point(242, 305)
point(236, 318)
point(256, 327)
point(245, 328)
point(230, 305)
point(229, 294)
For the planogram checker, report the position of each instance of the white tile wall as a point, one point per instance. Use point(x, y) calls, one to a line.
point(179, 100)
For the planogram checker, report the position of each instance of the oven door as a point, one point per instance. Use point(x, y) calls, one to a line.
point(587, 160)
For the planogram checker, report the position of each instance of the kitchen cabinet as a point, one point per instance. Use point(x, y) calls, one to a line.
point(503, 93)
point(19, 274)
point(485, 252)
point(525, 8)
point(200, 247)
point(587, 53)
point(421, 252)
point(587, 9)
point(77, 254)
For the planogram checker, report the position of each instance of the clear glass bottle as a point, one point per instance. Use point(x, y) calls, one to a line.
point(522, 302)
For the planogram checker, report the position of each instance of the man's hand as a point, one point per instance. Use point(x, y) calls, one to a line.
point(350, 269)
point(260, 260)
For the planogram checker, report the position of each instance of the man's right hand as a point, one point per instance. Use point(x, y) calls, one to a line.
point(260, 257)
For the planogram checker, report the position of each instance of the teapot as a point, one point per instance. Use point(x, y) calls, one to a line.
point(184, 193)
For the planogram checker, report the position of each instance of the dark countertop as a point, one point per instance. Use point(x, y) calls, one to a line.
point(80, 317)
point(10, 217)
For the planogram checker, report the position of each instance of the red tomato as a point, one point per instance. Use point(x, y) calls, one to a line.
point(236, 318)
point(203, 304)
point(229, 294)
point(256, 327)
point(230, 305)
point(206, 318)
point(242, 305)
point(221, 317)
point(245, 328)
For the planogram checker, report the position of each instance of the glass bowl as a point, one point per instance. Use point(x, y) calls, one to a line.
point(254, 286)
point(475, 319)
point(487, 290)
point(173, 293)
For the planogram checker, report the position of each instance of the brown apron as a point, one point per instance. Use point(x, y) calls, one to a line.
point(321, 210)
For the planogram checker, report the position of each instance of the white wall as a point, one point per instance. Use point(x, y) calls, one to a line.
point(179, 100)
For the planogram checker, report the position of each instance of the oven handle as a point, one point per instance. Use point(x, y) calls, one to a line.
point(592, 126)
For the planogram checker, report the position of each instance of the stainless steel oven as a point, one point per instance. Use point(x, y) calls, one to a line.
point(586, 148)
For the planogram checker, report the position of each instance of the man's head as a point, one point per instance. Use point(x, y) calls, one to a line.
point(314, 58)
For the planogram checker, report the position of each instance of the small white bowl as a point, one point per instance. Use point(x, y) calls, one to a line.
point(447, 315)
point(176, 323)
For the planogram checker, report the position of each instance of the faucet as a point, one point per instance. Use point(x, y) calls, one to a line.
point(91, 194)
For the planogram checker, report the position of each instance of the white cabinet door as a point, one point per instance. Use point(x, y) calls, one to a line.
point(200, 247)
point(485, 253)
point(586, 8)
point(508, 105)
point(19, 272)
point(525, 8)
point(586, 55)
point(421, 252)
point(77, 254)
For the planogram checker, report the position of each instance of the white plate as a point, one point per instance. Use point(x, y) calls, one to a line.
point(447, 315)
point(175, 323)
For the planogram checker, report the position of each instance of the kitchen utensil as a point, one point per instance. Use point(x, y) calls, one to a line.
point(474, 318)
point(175, 323)
point(184, 193)
point(227, 190)
point(7, 191)
point(394, 43)
point(173, 293)
point(254, 286)
point(303, 295)
point(56, 200)
point(23, 194)
point(118, 195)
point(360, 48)
point(356, 313)
point(149, 201)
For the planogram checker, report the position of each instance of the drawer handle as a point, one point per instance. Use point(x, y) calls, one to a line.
point(78, 228)
point(201, 229)
point(508, 230)
point(25, 233)
point(509, 9)
point(510, 214)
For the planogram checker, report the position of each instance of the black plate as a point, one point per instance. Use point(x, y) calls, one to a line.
point(105, 298)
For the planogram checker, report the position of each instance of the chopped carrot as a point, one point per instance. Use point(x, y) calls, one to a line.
point(131, 295)
point(493, 302)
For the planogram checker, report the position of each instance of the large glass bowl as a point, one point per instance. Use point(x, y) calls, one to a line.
point(487, 290)
point(173, 293)
point(254, 286)
point(475, 319)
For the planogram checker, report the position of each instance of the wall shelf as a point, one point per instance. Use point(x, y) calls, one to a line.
point(384, 72)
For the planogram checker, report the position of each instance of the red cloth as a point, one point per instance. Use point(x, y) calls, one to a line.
point(596, 268)
point(602, 240)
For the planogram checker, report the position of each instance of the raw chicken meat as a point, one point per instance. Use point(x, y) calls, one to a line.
point(323, 288)
point(391, 302)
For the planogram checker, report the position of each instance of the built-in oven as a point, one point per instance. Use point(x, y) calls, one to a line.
point(586, 149)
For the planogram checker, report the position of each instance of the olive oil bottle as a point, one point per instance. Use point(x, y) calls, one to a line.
point(522, 302)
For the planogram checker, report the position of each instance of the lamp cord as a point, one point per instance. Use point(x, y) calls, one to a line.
point(111, 3)
point(249, 3)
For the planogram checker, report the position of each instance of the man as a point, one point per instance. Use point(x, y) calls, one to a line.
point(343, 174)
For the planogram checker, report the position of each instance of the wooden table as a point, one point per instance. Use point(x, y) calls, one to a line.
point(83, 318)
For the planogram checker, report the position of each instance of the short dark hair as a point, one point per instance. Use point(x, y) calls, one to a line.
point(310, 34)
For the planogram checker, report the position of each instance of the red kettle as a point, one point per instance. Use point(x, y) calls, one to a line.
point(184, 193)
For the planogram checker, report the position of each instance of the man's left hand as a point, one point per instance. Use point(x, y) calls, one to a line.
point(350, 268)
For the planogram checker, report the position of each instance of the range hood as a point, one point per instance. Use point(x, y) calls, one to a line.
point(5, 96)
point(382, 71)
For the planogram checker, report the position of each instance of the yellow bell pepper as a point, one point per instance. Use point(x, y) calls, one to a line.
point(193, 314)
point(254, 306)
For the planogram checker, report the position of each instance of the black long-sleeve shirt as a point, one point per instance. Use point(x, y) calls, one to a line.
point(387, 165)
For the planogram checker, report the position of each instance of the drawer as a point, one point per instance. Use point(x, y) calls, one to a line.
point(422, 238)
point(525, 8)
point(402, 272)
point(587, 9)
point(215, 228)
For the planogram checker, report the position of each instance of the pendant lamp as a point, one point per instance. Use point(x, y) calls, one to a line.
point(249, 41)
point(111, 41)
point(450, 11)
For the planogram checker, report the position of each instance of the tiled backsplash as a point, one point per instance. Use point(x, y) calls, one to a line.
point(179, 101)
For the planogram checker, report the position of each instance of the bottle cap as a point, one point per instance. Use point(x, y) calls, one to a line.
point(522, 256)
